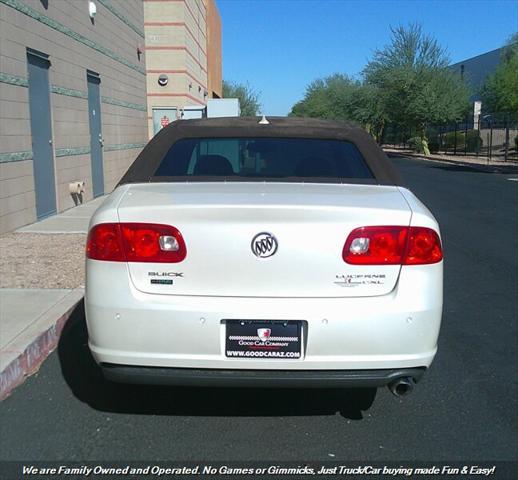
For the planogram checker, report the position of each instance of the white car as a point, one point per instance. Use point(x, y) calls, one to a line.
point(281, 252)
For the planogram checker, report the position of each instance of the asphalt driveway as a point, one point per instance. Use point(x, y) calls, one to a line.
point(466, 408)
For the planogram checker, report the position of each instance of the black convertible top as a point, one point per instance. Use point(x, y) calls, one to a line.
point(146, 164)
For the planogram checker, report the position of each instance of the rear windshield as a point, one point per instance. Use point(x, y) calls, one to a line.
point(271, 158)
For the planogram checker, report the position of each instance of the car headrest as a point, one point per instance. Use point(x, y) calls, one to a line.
point(213, 165)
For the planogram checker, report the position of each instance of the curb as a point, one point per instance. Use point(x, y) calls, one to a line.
point(31, 358)
point(504, 169)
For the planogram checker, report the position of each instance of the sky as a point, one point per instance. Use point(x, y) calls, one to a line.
point(279, 46)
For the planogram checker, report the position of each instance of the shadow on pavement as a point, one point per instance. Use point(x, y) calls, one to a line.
point(87, 383)
point(463, 168)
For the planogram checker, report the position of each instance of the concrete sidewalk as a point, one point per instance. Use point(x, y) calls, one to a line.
point(480, 163)
point(31, 319)
point(74, 220)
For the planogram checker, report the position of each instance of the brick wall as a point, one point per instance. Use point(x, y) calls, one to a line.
point(75, 44)
point(176, 44)
point(214, 74)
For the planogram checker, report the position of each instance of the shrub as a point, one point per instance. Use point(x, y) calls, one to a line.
point(433, 145)
point(448, 140)
point(416, 144)
point(474, 142)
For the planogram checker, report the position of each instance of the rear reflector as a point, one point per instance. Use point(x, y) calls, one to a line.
point(392, 245)
point(135, 242)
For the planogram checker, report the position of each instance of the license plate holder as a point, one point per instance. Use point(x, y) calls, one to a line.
point(263, 339)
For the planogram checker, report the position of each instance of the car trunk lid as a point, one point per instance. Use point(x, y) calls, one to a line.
point(219, 221)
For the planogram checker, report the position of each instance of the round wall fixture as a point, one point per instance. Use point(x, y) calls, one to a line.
point(92, 9)
point(162, 80)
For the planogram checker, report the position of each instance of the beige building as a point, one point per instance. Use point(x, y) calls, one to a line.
point(183, 58)
point(72, 101)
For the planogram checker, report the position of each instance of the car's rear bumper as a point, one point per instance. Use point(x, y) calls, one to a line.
point(258, 378)
point(394, 331)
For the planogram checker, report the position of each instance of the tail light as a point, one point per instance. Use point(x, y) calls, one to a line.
point(424, 246)
point(135, 242)
point(392, 245)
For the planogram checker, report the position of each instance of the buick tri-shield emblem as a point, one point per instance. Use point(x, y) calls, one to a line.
point(264, 245)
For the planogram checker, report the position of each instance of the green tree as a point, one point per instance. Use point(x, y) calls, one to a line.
point(414, 87)
point(328, 97)
point(248, 97)
point(500, 91)
point(367, 110)
point(339, 97)
point(511, 47)
point(406, 84)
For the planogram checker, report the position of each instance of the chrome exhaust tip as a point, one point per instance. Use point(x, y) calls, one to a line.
point(402, 386)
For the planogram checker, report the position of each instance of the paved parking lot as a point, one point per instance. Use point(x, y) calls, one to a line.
point(466, 408)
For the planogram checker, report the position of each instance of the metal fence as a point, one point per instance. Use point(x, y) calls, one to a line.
point(494, 136)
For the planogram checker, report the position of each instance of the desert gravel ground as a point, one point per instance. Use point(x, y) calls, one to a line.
point(36, 260)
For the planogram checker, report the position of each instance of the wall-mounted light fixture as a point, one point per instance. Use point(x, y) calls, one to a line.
point(92, 9)
point(163, 79)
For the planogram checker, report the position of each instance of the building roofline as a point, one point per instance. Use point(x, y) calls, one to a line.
point(476, 56)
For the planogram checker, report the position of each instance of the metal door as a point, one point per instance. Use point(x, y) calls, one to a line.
point(96, 138)
point(41, 131)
